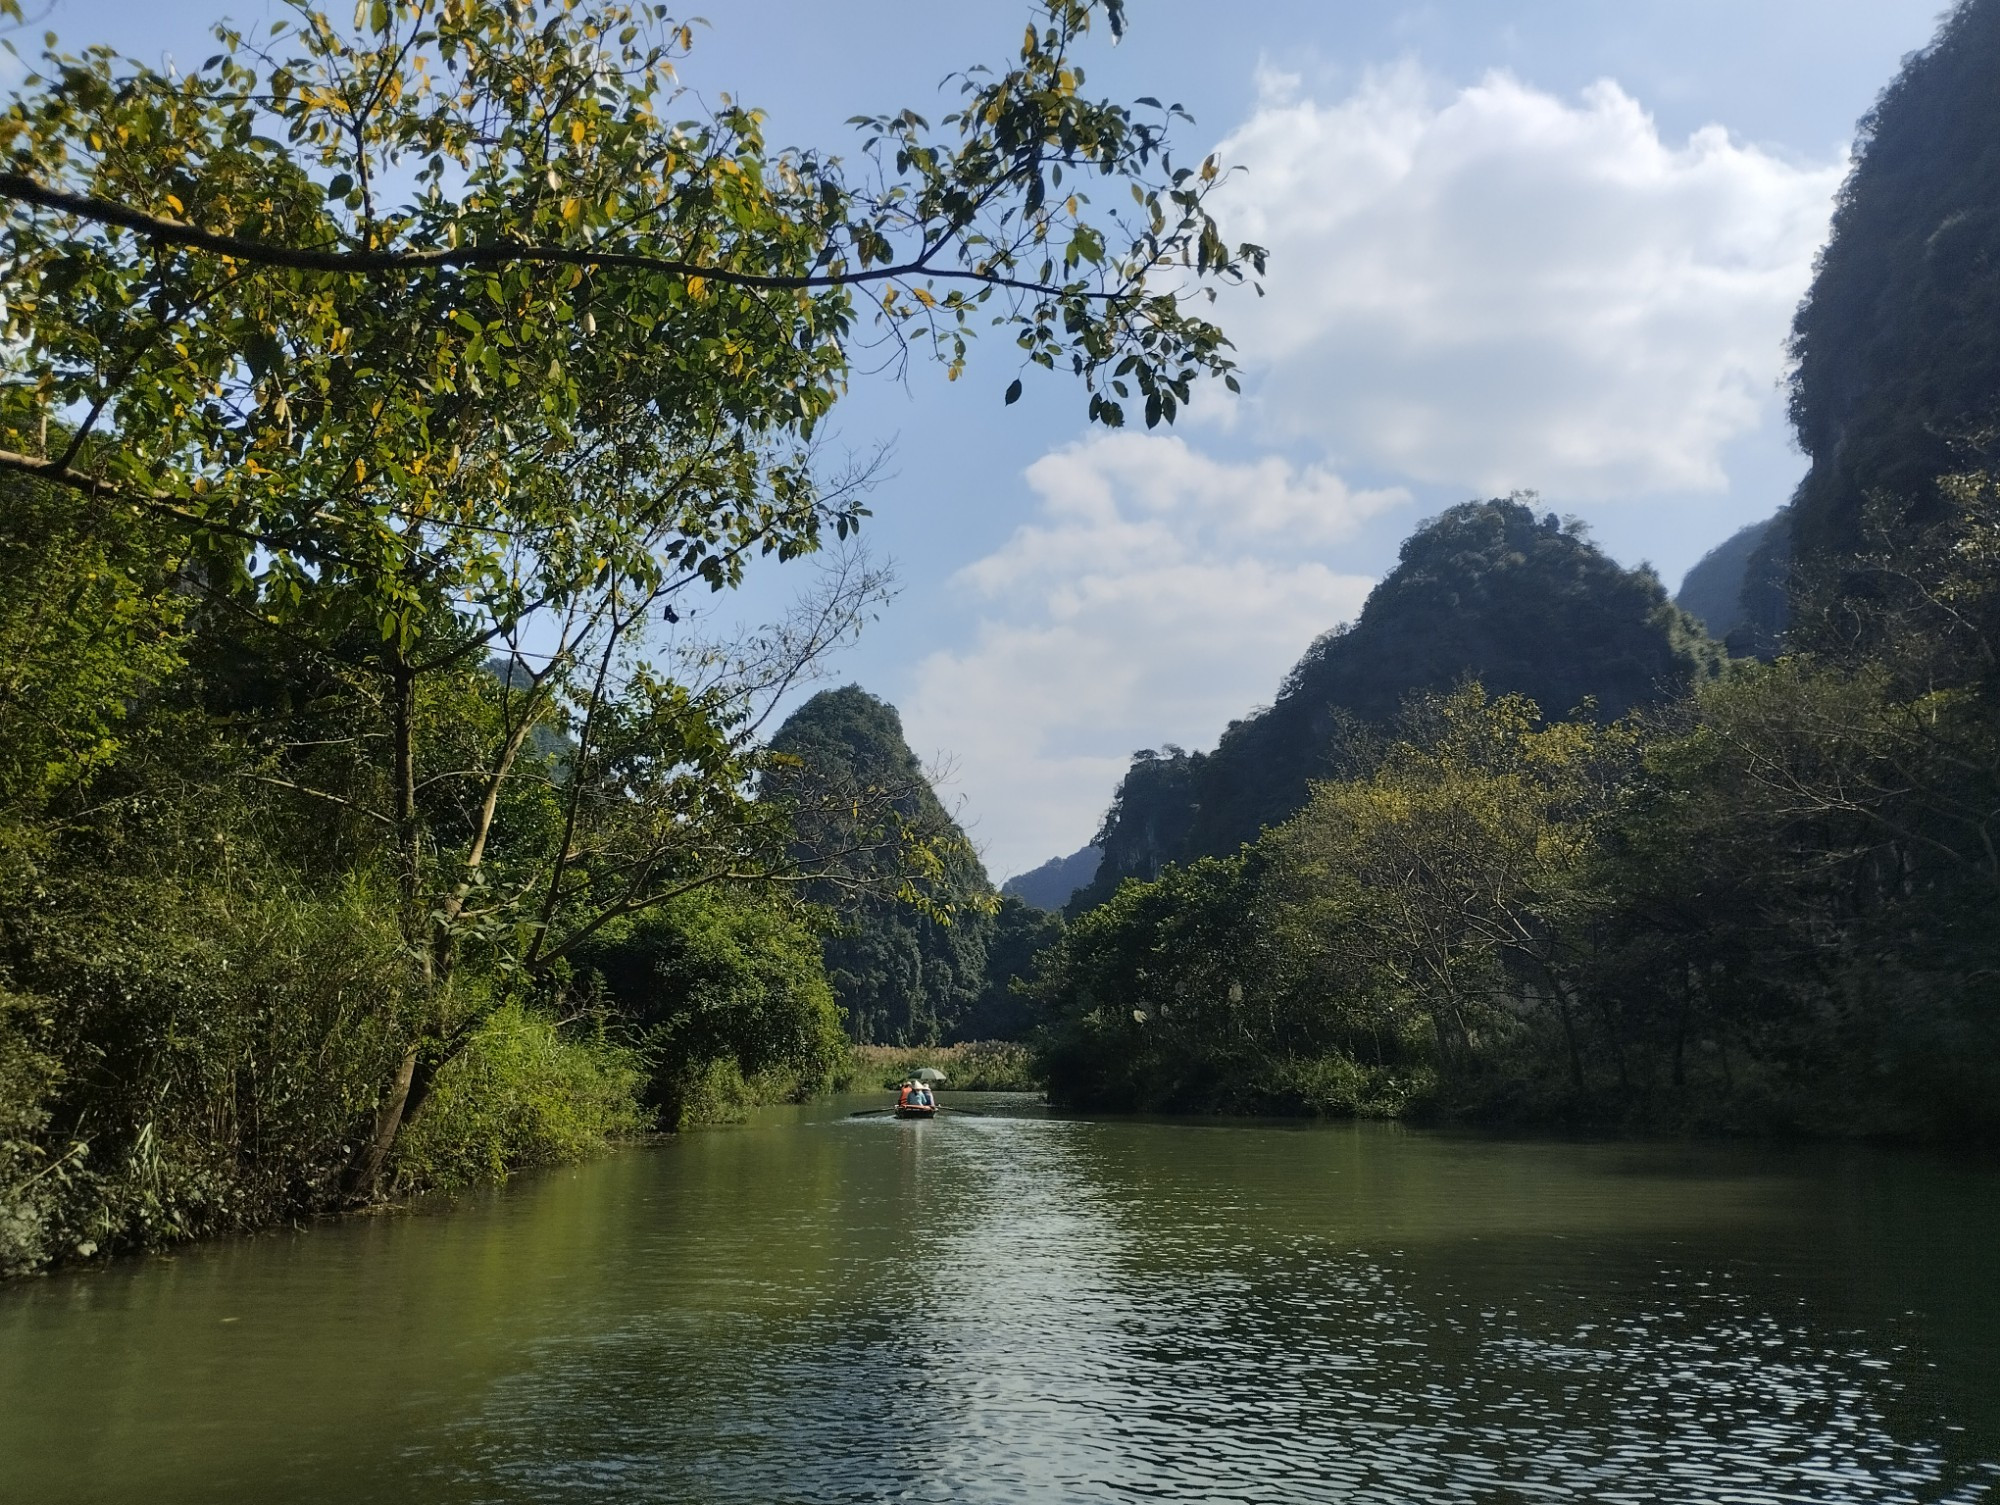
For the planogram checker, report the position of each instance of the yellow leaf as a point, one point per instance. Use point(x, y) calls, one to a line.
point(696, 286)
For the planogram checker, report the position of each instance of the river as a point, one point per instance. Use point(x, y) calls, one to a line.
point(1006, 1305)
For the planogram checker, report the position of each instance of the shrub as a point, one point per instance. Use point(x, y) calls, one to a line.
point(522, 1093)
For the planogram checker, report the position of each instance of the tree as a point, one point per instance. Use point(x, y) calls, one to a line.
point(1440, 877)
point(1020, 933)
point(1153, 999)
point(724, 986)
point(85, 627)
point(442, 336)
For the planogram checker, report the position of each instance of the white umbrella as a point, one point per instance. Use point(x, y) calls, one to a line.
point(930, 1075)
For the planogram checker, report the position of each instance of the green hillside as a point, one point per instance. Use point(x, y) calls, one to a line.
point(1736, 590)
point(1897, 382)
point(904, 965)
point(1523, 602)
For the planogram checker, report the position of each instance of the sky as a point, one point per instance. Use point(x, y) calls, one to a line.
point(1546, 245)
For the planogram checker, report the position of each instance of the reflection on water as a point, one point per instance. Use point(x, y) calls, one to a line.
point(828, 1308)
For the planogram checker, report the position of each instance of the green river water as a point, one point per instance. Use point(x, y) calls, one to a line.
point(1005, 1305)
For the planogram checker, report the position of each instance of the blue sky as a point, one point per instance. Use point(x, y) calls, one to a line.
point(1518, 244)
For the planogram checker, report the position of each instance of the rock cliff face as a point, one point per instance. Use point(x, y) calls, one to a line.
point(1488, 590)
point(1897, 345)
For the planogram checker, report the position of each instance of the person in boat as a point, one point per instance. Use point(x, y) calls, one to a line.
point(906, 1094)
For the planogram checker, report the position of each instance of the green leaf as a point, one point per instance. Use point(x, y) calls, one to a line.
point(1014, 391)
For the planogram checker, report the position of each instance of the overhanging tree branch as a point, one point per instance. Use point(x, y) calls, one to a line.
point(159, 227)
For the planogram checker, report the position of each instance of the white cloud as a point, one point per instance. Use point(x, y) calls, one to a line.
point(1157, 594)
point(1497, 288)
point(1474, 291)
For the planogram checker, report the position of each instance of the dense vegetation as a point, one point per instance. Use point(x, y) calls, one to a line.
point(967, 1066)
point(1734, 917)
point(1897, 374)
point(1771, 901)
point(1524, 602)
point(365, 826)
point(371, 399)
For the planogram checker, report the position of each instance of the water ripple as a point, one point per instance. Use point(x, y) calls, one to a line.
point(1086, 1346)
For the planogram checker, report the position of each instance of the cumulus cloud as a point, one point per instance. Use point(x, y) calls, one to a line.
point(1496, 288)
point(1157, 593)
point(1471, 291)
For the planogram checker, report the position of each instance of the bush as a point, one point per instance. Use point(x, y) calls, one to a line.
point(30, 1179)
point(178, 1061)
point(1337, 1086)
point(521, 1093)
point(727, 993)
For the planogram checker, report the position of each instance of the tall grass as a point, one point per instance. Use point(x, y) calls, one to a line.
point(970, 1066)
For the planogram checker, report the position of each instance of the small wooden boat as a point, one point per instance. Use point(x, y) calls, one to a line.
point(916, 1100)
point(916, 1110)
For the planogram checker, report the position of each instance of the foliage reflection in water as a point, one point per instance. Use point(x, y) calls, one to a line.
point(1018, 1307)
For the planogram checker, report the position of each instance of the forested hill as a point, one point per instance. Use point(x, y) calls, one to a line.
point(1523, 602)
point(902, 975)
point(1898, 343)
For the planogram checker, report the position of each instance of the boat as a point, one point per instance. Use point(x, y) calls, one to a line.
point(916, 1100)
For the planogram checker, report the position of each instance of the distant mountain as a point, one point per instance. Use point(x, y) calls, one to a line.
point(1737, 590)
point(1712, 591)
point(1526, 604)
point(1050, 885)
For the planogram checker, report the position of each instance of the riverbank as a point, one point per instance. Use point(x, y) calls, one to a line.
point(521, 1098)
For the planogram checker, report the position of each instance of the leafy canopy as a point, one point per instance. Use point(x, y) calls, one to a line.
point(466, 301)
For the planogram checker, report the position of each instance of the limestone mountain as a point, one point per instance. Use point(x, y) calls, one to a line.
point(1896, 383)
point(903, 971)
point(1738, 589)
point(1487, 590)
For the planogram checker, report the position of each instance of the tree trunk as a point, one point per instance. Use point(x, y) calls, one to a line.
point(416, 1075)
point(409, 833)
point(411, 1082)
point(1569, 1035)
point(1681, 1031)
point(364, 1171)
point(1617, 1044)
